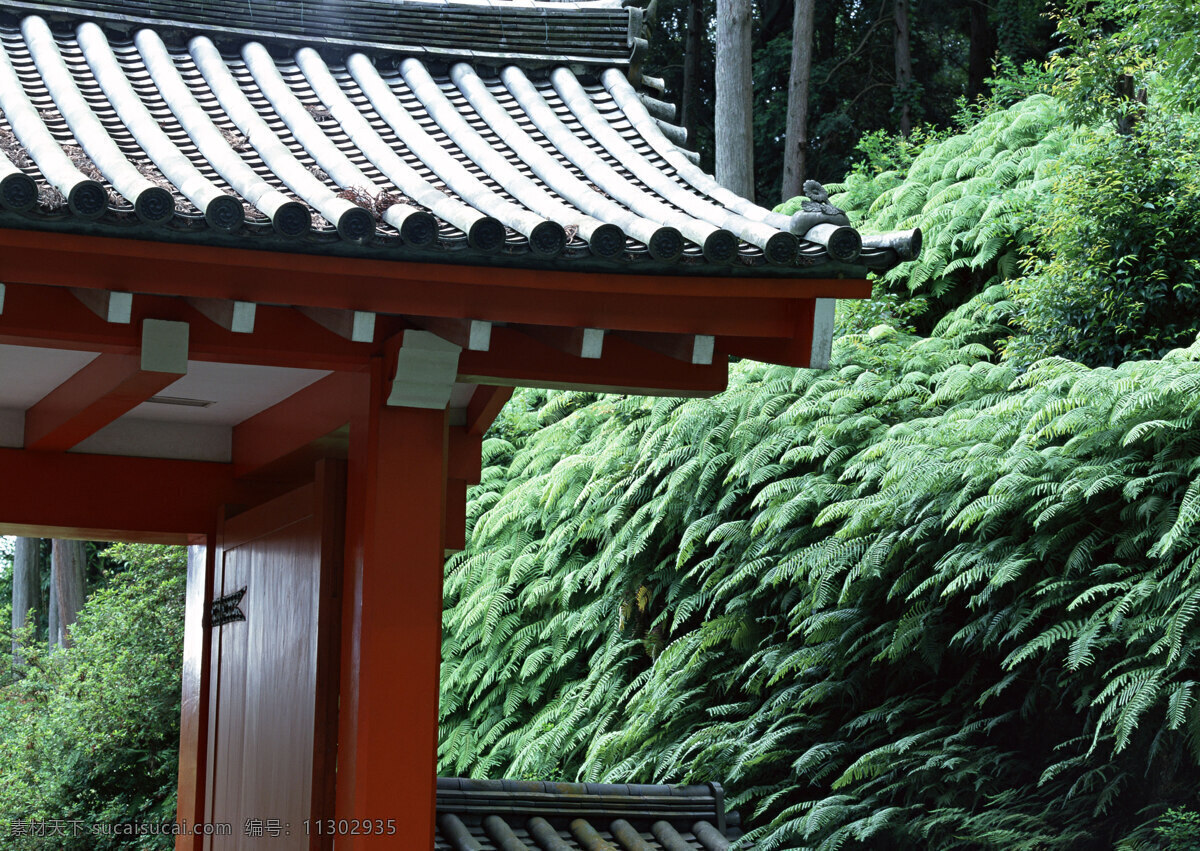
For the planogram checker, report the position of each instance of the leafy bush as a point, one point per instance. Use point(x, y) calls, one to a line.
point(91, 732)
point(975, 197)
point(1116, 274)
point(919, 600)
point(1179, 830)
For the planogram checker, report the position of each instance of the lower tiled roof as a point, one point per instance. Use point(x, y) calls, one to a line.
point(513, 815)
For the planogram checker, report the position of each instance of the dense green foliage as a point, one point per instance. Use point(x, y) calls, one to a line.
point(91, 732)
point(943, 595)
point(1116, 273)
point(975, 196)
point(919, 599)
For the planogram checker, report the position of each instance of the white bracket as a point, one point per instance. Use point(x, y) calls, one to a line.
point(357, 326)
point(426, 368)
point(108, 305)
point(235, 316)
point(165, 346)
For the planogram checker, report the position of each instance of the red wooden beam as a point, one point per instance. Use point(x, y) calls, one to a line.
point(297, 421)
point(794, 350)
point(485, 405)
point(105, 389)
point(664, 303)
point(516, 359)
point(51, 317)
point(114, 498)
point(115, 256)
point(577, 342)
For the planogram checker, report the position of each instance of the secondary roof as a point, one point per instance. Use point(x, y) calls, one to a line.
point(511, 815)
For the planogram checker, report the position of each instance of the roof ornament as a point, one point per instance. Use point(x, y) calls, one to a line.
point(820, 221)
point(816, 210)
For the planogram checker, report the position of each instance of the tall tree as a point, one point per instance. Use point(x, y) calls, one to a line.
point(982, 50)
point(68, 564)
point(904, 66)
point(27, 586)
point(693, 44)
point(735, 101)
point(795, 154)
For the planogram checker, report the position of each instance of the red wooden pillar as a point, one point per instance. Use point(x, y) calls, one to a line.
point(391, 622)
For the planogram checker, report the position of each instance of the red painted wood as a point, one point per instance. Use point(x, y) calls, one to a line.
point(625, 367)
point(51, 317)
point(272, 751)
point(115, 257)
point(113, 498)
point(105, 389)
point(391, 627)
point(794, 350)
point(193, 718)
point(672, 304)
point(456, 514)
point(485, 405)
point(464, 461)
point(297, 421)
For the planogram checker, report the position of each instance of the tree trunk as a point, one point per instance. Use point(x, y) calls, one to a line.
point(52, 630)
point(692, 46)
point(983, 48)
point(67, 565)
point(795, 152)
point(735, 98)
point(27, 588)
point(904, 70)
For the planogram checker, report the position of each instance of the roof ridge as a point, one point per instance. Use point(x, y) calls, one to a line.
point(584, 32)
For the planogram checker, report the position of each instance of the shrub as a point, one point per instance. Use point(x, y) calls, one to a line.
point(1116, 272)
point(91, 732)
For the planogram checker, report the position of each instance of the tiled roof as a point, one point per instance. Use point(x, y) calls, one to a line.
point(119, 121)
point(529, 31)
point(510, 815)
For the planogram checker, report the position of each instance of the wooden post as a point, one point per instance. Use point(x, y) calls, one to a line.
point(193, 722)
point(391, 625)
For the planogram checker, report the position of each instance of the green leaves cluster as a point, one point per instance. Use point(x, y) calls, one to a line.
point(91, 732)
point(1120, 56)
point(920, 600)
point(1115, 274)
point(929, 598)
point(975, 196)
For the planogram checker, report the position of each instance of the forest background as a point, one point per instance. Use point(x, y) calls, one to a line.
point(941, 595)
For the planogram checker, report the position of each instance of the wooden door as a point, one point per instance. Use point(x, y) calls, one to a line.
point(273, 693)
